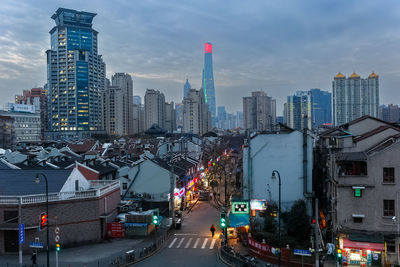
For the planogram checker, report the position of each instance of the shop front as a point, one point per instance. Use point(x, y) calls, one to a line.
point(357, 253)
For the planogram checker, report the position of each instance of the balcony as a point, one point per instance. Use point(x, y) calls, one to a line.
point(97, 189)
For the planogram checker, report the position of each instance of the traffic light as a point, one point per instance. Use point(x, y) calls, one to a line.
point(58, 247)
point(155, 219)
point(222, 221)
point(43, 221)
point(339, 254)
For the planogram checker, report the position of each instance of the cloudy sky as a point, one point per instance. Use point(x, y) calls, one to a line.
point(277, 46)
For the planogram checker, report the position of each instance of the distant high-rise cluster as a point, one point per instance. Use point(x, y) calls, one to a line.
point(354, 97)
point(75, 76)
point(259, 111)
point(390, 113)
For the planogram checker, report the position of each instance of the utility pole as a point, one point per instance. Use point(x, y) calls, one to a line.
point(19, 226)
point(172, 193)
point(316, 234)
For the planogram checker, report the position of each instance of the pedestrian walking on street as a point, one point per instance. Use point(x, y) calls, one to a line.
point(212, 229)
point(33, 259)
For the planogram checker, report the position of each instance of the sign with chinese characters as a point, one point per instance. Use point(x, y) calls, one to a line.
point(241, 207)
point(21, 233)
point(21, 108)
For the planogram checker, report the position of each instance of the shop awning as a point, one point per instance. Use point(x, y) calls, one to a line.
point(237, 220)
point(363, 245)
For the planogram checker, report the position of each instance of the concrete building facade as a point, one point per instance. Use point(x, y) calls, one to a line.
point(259, 111)
point(196, 115)
point(154, 106)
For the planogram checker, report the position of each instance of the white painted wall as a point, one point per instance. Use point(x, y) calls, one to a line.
point(281, 152)
point(75, 175)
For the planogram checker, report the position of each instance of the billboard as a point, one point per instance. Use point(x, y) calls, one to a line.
point(21, 108)
point(258, 204)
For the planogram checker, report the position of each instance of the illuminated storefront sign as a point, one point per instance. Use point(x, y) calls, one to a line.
point(258, 204)
point(240, 207)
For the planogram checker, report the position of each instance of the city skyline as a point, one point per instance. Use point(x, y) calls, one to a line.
point(268, 58)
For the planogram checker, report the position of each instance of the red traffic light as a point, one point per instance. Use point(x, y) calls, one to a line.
point(313, 221)
point(43, 221)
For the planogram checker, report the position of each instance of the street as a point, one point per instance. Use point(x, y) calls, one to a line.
point(192, 245)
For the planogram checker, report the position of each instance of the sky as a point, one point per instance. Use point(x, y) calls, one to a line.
point(276, 46)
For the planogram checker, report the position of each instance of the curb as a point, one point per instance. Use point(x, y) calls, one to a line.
point(224, 261)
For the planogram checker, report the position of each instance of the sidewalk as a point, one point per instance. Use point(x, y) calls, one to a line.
point(95, 255)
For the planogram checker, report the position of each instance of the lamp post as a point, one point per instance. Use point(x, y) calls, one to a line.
point(47, 213)
point(397, 238)
point(279, 214)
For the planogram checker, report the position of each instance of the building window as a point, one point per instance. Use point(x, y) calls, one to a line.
point(10, 216)
point(357, 219)
point(388, 207)
point(124, 186)
point(391, 246)
point(388, 175)
point(353, 168)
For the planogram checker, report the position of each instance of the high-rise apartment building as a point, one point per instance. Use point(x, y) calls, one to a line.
point(38, 98)
point(196, 115)
point(186, 88)
point(208, 82)
point(124, 81)
point(115, 104)
point(259, 111)
point(222, 118)
point(170, 117)
point(138, 115)
point(354, 97)
point(321, 107)
point(390, 113)
point(75, 76)
point(154, 106)
point(137, 100)
point(179, 115)
point(298, 110)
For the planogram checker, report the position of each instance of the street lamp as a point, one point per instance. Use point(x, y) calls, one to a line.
point(279, 213)
point(47, 212)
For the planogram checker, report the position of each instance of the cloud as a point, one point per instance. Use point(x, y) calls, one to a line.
point(278, 46)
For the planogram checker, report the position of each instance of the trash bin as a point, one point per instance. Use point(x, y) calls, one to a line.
point(130, 255)
point(178, 224)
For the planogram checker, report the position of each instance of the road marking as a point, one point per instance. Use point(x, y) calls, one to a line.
point(185, 234)
point(204, 243)
point(188, 243)
point(172, 243)
point(197, 241)
point(180, 243)
point(212, 244)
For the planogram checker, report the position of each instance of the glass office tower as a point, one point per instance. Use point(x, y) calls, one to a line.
point(75, 76)
point(208, 82)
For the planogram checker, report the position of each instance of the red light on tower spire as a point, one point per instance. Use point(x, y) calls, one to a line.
point(208, 48)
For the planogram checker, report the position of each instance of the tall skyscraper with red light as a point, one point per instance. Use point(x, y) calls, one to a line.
point(208, 82)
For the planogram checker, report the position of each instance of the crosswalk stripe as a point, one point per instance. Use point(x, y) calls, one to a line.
point(204, 243)
point(188, 243)
point(212, 244)
point(173, 242)
point(197, 242)
point(180, 243)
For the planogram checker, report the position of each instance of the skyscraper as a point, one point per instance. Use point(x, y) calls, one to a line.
point(154, 106)
point(115, 110)
point(75, 76)
point(170, 117)
point(298, 111)
point(321, 107)
point(196, 115)
point(208, 82)
point(124, 81)
point(259, 111)
point(354, 97)
point(186, 88)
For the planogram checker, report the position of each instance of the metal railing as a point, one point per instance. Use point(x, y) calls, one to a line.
point(60, 196)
